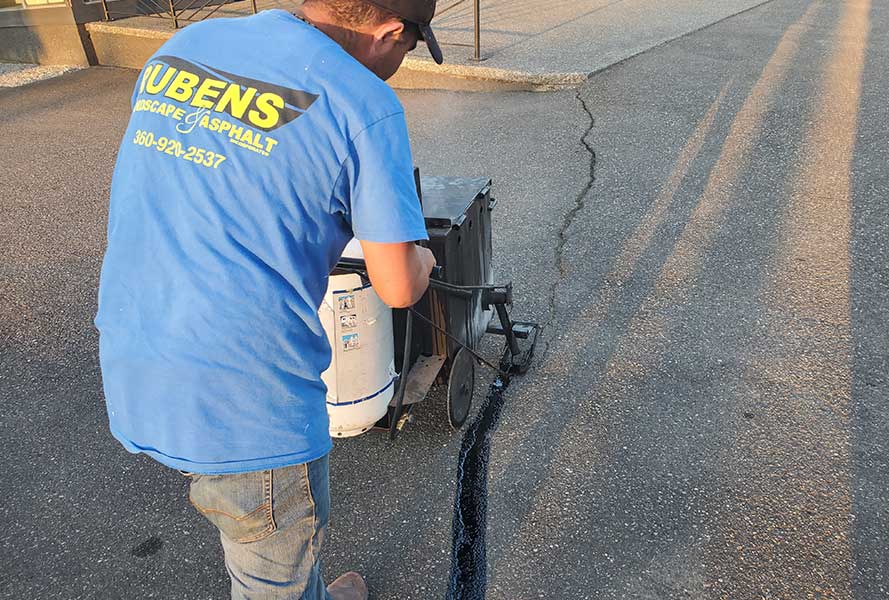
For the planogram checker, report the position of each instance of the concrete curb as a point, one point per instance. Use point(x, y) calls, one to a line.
point(119, 45)
point(116, 29)
point(496, 77)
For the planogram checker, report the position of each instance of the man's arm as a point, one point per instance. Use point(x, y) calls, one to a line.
point(399, 272)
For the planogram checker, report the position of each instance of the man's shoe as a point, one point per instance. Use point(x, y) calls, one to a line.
point(349, 586)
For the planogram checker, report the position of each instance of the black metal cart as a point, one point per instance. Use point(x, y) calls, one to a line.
point(437, 339)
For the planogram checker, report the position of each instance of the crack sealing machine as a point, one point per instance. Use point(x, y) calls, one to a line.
point(385, 361)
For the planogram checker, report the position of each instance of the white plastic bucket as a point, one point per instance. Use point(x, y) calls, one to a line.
point(361, 378)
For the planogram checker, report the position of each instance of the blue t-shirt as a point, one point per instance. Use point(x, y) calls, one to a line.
point(256, 149)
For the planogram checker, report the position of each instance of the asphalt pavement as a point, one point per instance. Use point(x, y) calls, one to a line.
point(702, 229)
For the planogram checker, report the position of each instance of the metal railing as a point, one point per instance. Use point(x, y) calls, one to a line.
point(476, 22)
point(176, 11)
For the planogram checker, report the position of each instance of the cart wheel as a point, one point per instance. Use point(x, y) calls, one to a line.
point(461, 384)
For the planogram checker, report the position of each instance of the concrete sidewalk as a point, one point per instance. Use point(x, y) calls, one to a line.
point(525, 44)
point(561, 42)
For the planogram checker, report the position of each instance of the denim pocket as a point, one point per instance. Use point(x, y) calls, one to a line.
point(239, 505)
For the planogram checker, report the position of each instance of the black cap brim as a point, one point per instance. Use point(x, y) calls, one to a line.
point(434, 49)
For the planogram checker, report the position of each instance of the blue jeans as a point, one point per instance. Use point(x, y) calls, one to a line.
point(272, 524)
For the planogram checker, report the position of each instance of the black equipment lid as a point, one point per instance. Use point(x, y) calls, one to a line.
point(446, 199)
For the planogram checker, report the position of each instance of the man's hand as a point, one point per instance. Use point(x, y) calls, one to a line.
point(399, 273)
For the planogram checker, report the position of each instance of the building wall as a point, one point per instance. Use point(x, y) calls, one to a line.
point(47, 36)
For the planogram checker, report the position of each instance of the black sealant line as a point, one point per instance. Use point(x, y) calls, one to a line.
point(468, 554)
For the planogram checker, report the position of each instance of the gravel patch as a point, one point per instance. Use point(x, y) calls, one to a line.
point(16, 74)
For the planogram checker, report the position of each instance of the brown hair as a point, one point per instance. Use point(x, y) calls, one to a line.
point(354, 13)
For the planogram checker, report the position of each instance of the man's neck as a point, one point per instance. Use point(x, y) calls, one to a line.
point(320, 19)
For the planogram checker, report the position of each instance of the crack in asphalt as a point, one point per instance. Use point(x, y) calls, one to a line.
point(580, 200)
point(468, 578)
point(568, 221)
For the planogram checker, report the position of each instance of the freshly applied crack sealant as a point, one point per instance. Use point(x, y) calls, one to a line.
point(469, 564)
point(468, 555)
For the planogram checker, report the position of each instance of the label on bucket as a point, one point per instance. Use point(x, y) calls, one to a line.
point(347, 302)
point(351, 342)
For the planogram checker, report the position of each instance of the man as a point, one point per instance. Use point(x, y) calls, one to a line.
point(256, 149)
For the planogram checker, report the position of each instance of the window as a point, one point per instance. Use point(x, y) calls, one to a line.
point(27, 3)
